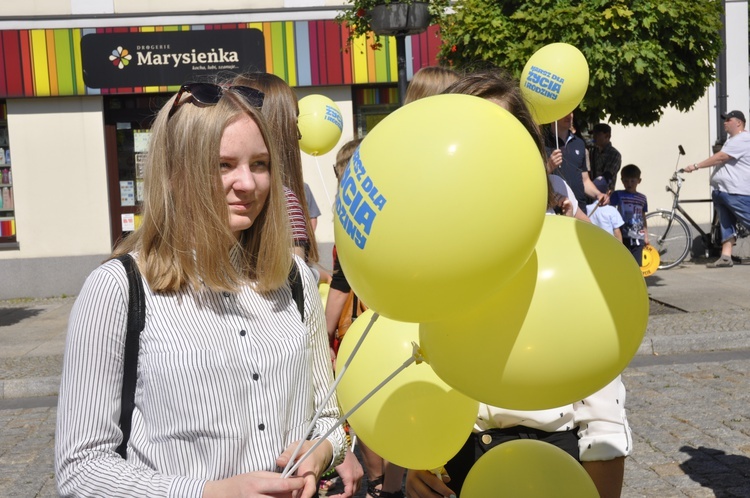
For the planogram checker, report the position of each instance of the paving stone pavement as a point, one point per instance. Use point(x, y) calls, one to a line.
point(688, 390)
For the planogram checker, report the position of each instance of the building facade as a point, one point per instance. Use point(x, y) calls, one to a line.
point(81, 80)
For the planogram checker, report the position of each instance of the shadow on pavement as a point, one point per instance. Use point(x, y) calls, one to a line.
point(11, 316)
point(726, 475)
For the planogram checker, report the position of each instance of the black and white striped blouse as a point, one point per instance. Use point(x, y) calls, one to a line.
point(225, 383)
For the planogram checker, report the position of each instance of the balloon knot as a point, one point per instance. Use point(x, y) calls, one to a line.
point(417, 353)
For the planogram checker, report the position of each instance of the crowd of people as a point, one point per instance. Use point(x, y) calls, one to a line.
point(236, 351)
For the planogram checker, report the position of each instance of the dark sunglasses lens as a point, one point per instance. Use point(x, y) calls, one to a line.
point(205, 93)
point(254, 97)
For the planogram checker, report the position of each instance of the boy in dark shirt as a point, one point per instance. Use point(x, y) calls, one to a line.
point(633, 207)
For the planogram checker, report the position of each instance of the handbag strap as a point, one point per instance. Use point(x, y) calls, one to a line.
point(136, 322)
point(298, 292)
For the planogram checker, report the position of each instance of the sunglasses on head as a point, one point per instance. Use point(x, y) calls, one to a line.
point(210, 94)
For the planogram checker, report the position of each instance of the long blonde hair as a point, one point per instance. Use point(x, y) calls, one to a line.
point(280, 110)
point(185, 238)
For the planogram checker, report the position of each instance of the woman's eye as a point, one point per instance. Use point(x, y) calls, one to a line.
point(260, 165)
point(224, 165)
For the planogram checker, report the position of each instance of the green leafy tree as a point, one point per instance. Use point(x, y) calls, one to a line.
point(643, 55)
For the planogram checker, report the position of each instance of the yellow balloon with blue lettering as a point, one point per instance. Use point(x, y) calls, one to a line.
point(565, 325)
point(554, 81)
point(320, 124)
point(440, 205)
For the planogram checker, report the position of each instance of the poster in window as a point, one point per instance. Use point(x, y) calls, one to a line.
point(140, 164)
point(127, 193)
point(140, 140)
point(128, 222)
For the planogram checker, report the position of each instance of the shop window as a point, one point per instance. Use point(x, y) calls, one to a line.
point(7, 204)
point(371, 104)
point(128, 122)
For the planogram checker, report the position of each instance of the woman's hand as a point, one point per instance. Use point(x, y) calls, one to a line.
point(312, 466)
point(350, 471)
point(424, 484)
point(254, 485)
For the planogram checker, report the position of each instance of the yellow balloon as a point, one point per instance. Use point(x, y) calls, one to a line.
point(320, 123)
point(440, 205)
point(650, 260)
point(415, 420)
point(554, 81)
point(566, 325)
point(526, 468)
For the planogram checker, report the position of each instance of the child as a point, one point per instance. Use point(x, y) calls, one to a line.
point(606, 217)
point(633, 207)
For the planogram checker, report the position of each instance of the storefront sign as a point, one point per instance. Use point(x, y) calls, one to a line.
point(117, 60)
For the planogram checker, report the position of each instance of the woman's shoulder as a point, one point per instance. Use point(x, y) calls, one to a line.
point(113, 268)
point(106, 282)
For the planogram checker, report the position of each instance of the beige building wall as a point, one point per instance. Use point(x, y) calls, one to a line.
point(60, 193)
point(654, 149)
point(59, 177)
point(128, 7)
point(35, 7)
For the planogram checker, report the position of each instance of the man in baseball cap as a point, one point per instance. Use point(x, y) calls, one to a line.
point(733, 114)
point(730, 183)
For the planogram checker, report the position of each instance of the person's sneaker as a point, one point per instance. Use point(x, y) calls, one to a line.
point(721, 263)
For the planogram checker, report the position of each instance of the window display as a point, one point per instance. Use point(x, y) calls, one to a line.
point(7, 204)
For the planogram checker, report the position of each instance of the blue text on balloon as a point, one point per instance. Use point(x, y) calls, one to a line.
point(358, 202)
point(334, 116)
point(544, 83)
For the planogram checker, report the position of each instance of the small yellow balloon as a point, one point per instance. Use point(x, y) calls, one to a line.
point(415, 420)
point(554, 81)
point(320, 123)
point(650, 260)
point(440, 205)
point(566, 325)
point(526, 468)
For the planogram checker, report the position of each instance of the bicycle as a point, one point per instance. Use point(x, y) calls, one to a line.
point(670, 234)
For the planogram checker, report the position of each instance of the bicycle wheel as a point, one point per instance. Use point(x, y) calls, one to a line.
point(670, 236)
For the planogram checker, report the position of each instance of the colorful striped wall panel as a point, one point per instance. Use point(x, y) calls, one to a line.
point(47, 62)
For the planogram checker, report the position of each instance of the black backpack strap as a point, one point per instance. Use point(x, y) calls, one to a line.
point(298, 291)
point(136, 322)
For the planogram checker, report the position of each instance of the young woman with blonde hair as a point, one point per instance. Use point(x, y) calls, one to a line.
point(229, 374)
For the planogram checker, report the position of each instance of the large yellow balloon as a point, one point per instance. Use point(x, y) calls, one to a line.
point(554, 81)
point(440, 205)
point(415, 420)
point(566, 325)
point(320, 124)
point(526, 468)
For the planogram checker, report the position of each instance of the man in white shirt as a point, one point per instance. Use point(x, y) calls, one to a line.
point(730, 182)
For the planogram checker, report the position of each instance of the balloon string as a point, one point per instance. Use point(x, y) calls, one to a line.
point(412, 359)
point(323, 181)
point(557, 137)
point(330, 392)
